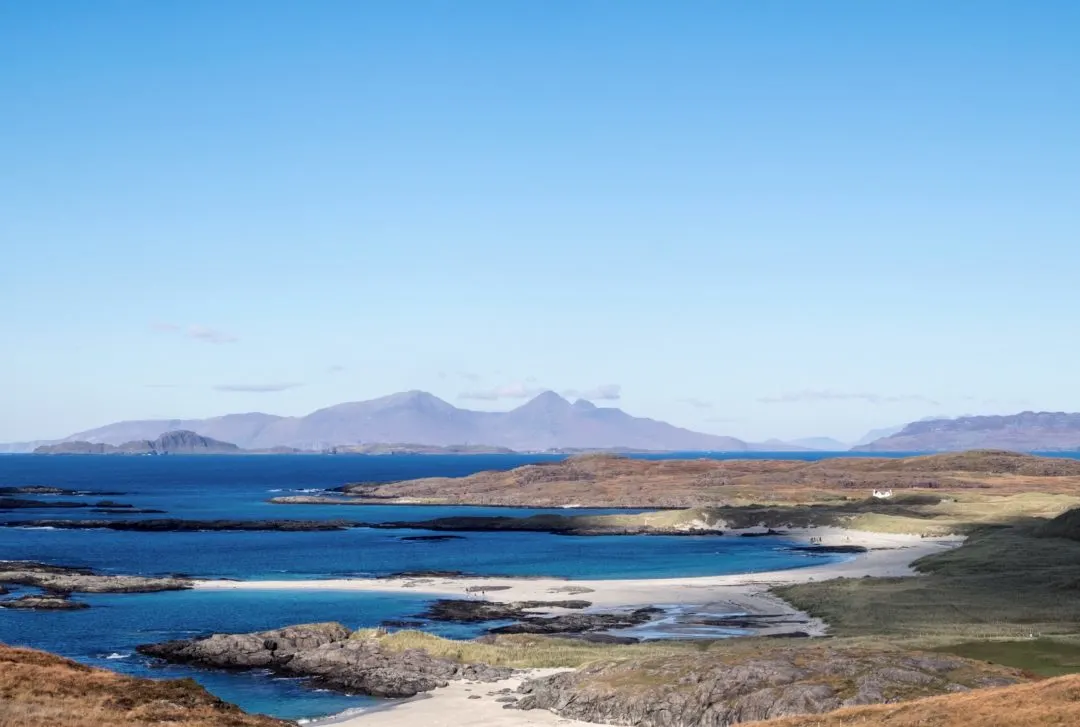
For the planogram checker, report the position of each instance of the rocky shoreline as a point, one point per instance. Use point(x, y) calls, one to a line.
point(329, 653)
point(58, 582)
point(175, 525)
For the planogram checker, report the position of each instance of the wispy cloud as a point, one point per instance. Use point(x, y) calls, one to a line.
point(797, 397)
point(335, 369)
point(517, 390)
point(603, 392)
point(196, 332)
point(162, 386)
point(696, 402)
point(257, 388)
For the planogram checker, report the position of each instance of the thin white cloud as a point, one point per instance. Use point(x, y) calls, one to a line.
point(163, 386)
point(603, 392)
point(257, 388)
point(696, 402)
point(196, 332)
point(335, 369)
point(798, 397)
point(517, 390)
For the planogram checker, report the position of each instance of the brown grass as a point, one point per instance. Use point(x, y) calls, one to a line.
point(1050, 703)
point(43, 690)
point(613, 481)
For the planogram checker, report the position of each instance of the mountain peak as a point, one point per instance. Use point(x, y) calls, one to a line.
point(547, 400)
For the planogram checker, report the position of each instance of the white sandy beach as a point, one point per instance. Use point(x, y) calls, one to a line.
point(461, 704)
point(889, 556)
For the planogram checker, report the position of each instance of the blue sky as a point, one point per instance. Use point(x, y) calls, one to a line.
point(750, 218)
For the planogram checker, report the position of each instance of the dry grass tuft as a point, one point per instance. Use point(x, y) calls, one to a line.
point(1050, 703)
point(42, 690)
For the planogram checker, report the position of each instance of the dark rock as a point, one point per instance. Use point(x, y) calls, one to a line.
point(829, 548)
point(768, 532)
point(43, 603)
point(396, 623)
point(429, 538)
point(467, 611)
point(329, 653)
point(133, 511)
point(18, 503)
point(170, 525)
point(429, 574)
point(578, 623)
point(61, 579)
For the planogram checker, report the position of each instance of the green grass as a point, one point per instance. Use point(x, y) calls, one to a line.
point(1045, 657)
point(524, 651)
point(1003, 583)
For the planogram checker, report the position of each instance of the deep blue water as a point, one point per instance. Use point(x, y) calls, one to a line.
point(238, 487)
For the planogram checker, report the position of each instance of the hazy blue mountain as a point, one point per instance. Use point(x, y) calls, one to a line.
point(821, 444)
point(417, 417)
point(1024, 432)
point(875, 434)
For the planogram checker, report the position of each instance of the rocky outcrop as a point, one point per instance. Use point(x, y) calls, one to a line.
point(717, 690)
point(167, 525)
point(62, 579)
point(530, 622)
point(579, 623)
point(469, 611)
point(330, 653)
point(24, 503)
point(43, 603)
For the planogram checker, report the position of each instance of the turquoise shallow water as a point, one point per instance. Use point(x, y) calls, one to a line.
point(237, 487)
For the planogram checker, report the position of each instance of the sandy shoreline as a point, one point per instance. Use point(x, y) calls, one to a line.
point(462, 704)
point(459, 704)
point(889, 556)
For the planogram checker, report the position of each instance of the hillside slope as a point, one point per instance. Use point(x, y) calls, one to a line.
point(1050, 703)
point(42, 690)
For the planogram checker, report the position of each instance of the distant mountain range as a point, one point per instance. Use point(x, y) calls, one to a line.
point(1028, 431)
point(415, 420)
point(546, 422)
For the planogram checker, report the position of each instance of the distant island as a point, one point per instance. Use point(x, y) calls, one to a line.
point(176, 442)
point(1027, 431)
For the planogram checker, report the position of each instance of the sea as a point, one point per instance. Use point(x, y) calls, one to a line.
point(238, 487)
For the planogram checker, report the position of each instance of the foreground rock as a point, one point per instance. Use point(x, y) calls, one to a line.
point(330, 653)
point(716, 690)
point(173, 525)
point(43, 603)
point(43, 690)
point(63, 579)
